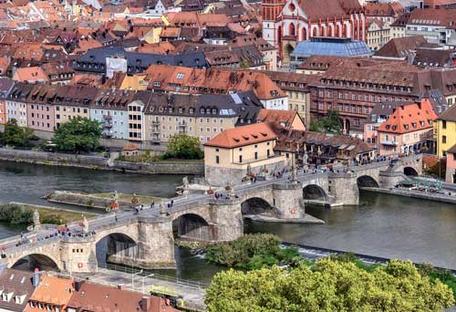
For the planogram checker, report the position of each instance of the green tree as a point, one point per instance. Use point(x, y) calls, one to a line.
point(78, 135)
point(184, 147)
point(329, 124)
point(15, 135)
point(329, 285)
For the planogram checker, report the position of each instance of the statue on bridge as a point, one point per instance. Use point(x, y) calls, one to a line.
point(36, 220)
point(85, 225)
point(114, 202)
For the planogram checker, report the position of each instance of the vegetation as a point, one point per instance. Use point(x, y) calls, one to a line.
point(16, 136)
point(329, 285)
point(329, 124)
point(19, 214)
point(78, 135)
point(252, 251)
point(183, 146)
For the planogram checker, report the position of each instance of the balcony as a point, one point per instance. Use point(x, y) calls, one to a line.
point(388, 143)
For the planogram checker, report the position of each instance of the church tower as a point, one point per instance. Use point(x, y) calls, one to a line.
point(270, 10)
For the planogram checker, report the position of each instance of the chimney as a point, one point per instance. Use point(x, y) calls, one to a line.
point(145, 303)
point(77, 285)
point(119, 286)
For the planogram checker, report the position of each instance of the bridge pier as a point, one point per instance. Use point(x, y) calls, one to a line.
point(287, 199)
point(78, 255)
point(389, 178)
point(227, 219)
point(155, 244)
point(344, 188)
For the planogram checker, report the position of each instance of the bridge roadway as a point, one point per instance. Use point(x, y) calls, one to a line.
point(13, 247)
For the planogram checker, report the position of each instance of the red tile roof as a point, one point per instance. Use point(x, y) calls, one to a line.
point(410, 118)
point(242, 136)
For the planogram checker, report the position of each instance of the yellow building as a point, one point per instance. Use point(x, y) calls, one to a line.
point(235, 153)
point(445, 131)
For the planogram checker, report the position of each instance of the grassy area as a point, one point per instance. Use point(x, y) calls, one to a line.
point(127, 197)
point(54, 216)
point(17, 213)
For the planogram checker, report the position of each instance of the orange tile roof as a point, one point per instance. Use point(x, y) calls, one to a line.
point(217, 79)
point(277, 116)
point(53, 290)
point(410, 118)
point(163, 47)
point(30, 74)
point(242, 136)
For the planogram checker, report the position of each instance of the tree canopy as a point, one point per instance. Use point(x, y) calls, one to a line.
point(15, 135)
point(252, 251)
point(329, 124)
point(78, 135)
point(328, 285)
point(184, 147)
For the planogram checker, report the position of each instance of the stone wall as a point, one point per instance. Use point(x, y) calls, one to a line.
point(102, 163)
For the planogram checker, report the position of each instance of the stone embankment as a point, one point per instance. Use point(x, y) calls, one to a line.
point(102, 163)
point(438, 197)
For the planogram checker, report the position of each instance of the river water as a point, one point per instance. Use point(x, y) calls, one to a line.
point(383, 225)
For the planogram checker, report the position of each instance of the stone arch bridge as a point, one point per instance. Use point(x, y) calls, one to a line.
point(147, 239)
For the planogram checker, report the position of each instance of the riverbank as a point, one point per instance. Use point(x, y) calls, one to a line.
point(95, 162)
point(443, 198)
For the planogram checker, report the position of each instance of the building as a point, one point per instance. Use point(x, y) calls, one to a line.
point(40, 109)
point(285, 119)
point(341, 47)
point(155, 118)
point(91, 297)
point(236, 153)
point(73, 101)
point(296, 87)
point(30, 75)
point(378, 33)
point(16, 288)
point(109, 108)
point(408, 129)
point(51, 293)
point(399, 25)
point(16, 103)
point(355, 89)
point(445, 131)
point(436, 25)
point(285, 23)
point(177, 79)
point(303, 148)
point(6, 85)
point(450, 173)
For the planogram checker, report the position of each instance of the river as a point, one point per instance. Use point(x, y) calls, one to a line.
point(383, 225)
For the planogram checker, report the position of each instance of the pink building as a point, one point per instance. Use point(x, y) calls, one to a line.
point(40, 114)
point(450, 176)
point(408, 129)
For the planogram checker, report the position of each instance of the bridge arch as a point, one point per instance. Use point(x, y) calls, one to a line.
point(42, 261)
point(112, 245)
point(314, 191)
point(367, 181)
point(410, 171)
point(192, 226)
point(256, 205)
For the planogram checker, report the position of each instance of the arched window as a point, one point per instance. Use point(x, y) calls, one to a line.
point(291, 30)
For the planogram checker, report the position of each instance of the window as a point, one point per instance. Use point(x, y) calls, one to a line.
point(444, 124)
point(444, 139)
point(256, 155)
point(268, 152)
point(217, 159)
point(240, 158)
